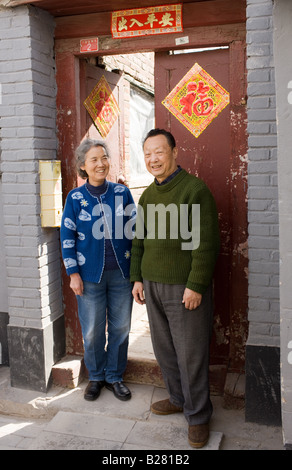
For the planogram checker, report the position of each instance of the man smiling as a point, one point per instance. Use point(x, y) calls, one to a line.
point(160, 156)
point(176, 284)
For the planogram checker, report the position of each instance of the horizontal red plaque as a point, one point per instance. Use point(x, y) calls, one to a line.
point(146, 21)
point(89, 45)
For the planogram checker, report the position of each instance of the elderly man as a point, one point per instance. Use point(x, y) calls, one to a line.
point(172, 268)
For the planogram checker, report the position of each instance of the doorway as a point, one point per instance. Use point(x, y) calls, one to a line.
point(208, 157)
point(217, 156)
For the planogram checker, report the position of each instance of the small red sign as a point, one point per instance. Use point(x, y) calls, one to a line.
point(89, 45)
point(147, 21)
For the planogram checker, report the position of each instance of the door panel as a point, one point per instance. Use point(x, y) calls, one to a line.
point(209, 158)
point(115, 138)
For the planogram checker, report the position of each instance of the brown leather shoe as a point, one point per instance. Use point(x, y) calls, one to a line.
point(164, 407)
point(198, 435)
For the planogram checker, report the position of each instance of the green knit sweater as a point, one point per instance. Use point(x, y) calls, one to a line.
point(159, 251)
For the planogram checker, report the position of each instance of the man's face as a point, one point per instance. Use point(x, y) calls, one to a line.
point(160, 158)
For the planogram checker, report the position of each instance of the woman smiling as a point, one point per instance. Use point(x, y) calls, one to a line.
point(98, 266)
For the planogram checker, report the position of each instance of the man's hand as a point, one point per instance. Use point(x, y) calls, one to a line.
point(76, 284)
point(138, 293)
point(191, 299)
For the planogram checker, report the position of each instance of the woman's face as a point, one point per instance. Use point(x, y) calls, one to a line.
point(96, 165)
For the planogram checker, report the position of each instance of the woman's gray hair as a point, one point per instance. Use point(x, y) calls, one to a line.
point(81, 152)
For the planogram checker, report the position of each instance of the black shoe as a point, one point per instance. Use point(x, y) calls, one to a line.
point(120, 390)
point(93, 389)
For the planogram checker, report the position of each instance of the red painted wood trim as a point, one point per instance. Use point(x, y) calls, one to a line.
point(213, 12)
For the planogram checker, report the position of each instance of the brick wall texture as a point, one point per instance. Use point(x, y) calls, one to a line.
point(262, 177)
point(28, 134)
point(139, 67)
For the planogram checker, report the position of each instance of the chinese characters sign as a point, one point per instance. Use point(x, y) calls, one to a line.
point(102, 107)
point(196, 100)
point(146, 21)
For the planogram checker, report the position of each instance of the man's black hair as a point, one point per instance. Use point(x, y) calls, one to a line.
point(168, 135)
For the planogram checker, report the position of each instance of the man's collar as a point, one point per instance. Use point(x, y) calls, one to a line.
point(169, 178)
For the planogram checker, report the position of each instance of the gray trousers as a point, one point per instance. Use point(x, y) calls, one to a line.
point(181, 340)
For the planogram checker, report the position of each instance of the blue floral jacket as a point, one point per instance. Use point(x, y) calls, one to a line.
point(87, 221)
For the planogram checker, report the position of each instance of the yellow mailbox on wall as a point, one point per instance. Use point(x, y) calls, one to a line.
point(51, 193)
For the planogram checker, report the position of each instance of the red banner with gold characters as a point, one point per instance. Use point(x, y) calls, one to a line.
point(146, 21)
point(196, 100)
point(102, 107)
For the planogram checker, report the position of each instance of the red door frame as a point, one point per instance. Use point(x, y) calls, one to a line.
point(69, 74)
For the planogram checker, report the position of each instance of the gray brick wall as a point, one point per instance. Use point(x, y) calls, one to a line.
point(138, 66)
point(283, 66)
point(262, 177)
point(28, 134)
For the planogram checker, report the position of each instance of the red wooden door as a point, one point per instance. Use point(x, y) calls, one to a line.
point(115, 141)
point(209, 157)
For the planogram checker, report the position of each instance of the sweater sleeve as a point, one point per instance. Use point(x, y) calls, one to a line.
point(68, 234)
point(205, 255)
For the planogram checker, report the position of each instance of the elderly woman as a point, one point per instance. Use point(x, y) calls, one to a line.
point(96, 238)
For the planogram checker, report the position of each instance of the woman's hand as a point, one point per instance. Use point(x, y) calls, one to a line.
point(76, 284)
